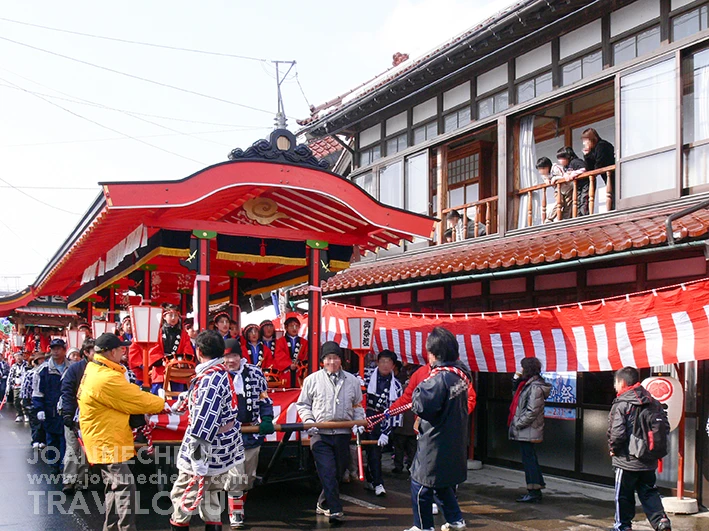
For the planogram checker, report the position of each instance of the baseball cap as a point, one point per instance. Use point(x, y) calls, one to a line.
point(109, 341)
point(57, 342)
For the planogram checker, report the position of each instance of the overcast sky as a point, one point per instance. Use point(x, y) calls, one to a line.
point(65, 151)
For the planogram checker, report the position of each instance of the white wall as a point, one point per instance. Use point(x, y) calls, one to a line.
point(396, 123)
point(533, 61)
point(425, 110)
point(370, 135)
point(634, 15)
point(676, 4)
point(492, 79)
point(580, 39)
point(456, 96)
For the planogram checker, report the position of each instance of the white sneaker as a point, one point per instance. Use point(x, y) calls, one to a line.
point(435, 509)
point(321, 510)
point(27, 419)
point(42, 446)
point(35, 445)
point(414, 528)
point(236, 521)
point(453, 526)
point(379, 490)
point(18, 418)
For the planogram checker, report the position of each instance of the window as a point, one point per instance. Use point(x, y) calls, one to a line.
point(580, 68)
point(493, 104)
point(464, 169)
point(397, 143)
point(417, 183)
point(368, 183)
point(391, 185)
point(456, 119)
point(369, 155)
point(637, 45)
point(690, 23)
point(695, 119)
point(647, 139)
point(534, 87)
point(425, 132)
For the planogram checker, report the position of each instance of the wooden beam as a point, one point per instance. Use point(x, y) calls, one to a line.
point(441, 188)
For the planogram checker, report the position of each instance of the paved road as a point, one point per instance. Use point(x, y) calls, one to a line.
point(30, 502)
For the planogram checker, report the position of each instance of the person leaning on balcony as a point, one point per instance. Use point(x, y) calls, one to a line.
point(573, 166)
point(455, 222)
point(563, 194)
point(597, 153)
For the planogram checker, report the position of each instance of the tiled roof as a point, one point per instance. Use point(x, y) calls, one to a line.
point(399, 70)
point(325, 146)
point(551, 243)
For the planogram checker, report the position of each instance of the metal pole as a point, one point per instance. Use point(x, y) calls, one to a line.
point(680, 434)
point(314, 302)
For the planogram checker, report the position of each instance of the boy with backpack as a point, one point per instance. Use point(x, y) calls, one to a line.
point(638, 431)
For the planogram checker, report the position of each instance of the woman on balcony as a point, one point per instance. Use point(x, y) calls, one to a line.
point(573, 166)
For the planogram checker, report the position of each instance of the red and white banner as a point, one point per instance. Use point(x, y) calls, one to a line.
point(647, 329)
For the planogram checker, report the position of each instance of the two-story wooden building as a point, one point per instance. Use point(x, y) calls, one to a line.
point(462, 129)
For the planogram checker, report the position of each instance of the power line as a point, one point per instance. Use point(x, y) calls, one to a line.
point(128, 41)
point(133, 76)
point(50, 187)
point(301, 89)
point(163, 135)
point(24, 241)
point(103, 126)
point(38, 200)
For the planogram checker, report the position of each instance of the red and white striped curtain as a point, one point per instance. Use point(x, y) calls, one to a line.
point(647, 329)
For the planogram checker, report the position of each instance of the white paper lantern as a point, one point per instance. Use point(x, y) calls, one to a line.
point(147, 323)
point(361, 332)
point(103, 327)
point(668, 391)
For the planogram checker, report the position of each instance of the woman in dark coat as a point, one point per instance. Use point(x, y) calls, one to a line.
point(441, 402)
point(526, 423)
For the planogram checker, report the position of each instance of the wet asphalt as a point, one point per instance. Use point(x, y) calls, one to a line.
point(30, 501)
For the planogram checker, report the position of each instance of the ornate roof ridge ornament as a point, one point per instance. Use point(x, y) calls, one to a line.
point(281, 147)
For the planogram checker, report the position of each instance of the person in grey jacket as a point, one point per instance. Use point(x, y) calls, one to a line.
point(526, 423)
point(632, 474)
point(441, 402)
point(330, 394)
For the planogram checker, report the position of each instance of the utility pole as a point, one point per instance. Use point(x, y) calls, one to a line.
point(281, 121)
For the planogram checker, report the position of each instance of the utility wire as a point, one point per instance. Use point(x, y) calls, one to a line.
point(55, 207)
point(133, 76)
point(50, 187)
point(128, 41)
point(22, 240)
point(301, 89)
point(103, 126)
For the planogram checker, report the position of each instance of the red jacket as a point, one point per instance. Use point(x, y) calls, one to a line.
point(283, 357)
point(30, 344)
point(269, 359)
point(157, 358)
point(419, 376)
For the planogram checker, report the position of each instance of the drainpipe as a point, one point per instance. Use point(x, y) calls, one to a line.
point(681, 214)
point(526, 270)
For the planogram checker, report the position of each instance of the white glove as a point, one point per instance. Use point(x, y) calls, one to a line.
point(313, 431)
point(41, 416)
point(383, 440)
point(161, 393)
point(357, 429)
point(200, 468)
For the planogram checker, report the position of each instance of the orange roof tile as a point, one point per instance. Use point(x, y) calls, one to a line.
point(593, 236)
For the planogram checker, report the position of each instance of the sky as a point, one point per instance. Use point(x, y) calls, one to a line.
point(67, 125)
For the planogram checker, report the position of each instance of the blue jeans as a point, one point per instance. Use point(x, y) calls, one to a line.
point(56, 442)
point(332, 455)
point(175, 387)
point(422, 504)
point(532, 471)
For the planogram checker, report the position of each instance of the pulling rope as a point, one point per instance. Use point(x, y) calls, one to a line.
point(200, 494)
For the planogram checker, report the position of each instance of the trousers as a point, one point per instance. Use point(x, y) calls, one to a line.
point(404, 449)
point(210, 509)
point(120, 497)
point(76, 469)
point(331, 454)
point(532, 470)
point(422, 504)
point(627, 483)
point(36, 428)
point(17, 402)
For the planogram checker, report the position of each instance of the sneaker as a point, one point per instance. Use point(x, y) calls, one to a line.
point(530, 497)
point(664, 525)
point(453, 526)
point(18, 418)
point(27, 419)
point(236, 521)
point(319, 509)
point(35, 445)
point(42, 446)
point(414, 528)
point(368, 486)
point(379, 490)
point(435, 509)
point(337, 518)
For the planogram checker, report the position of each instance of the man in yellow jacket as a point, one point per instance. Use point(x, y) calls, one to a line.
point(106, 400)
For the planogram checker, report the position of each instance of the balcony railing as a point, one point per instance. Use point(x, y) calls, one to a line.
point(575, 182)
point(484, 212)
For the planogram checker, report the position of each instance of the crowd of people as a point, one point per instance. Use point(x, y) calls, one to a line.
point(97, 398)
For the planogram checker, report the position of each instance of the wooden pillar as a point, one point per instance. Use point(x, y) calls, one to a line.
point(147, 281)
point(315, 257)
point(441, 188)
point(502, 181)
point(234, 308)
point(201, 288)
point(89, 311)
point(183, 303)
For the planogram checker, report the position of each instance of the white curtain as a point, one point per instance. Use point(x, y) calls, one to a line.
point(528, 173)
point(701, 101)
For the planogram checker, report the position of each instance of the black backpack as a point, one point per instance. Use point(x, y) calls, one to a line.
point(651, 431)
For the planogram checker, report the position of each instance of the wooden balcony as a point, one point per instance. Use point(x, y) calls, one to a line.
point(485, 211)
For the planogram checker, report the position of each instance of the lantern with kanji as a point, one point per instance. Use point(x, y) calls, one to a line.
point(147, 323)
